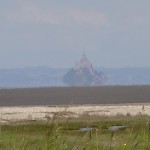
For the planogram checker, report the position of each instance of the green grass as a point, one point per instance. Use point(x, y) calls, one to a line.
point(63, 134)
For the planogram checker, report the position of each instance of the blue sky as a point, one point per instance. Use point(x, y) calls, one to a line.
point(113, 33)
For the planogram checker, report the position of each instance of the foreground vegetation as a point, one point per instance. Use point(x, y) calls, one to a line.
point(64, 134)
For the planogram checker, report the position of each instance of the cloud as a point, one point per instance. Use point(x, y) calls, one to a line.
point(31, 13)
point(141, 20)
point(88, 17)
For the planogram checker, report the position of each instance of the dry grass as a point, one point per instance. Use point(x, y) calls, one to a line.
point(63, 134)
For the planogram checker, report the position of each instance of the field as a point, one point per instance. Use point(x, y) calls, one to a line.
point(83, 133)
point(81, 118)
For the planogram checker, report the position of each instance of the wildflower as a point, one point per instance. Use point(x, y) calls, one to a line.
point(96, 130)
point(124, 146)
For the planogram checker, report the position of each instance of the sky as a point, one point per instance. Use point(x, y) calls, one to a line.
point(55, 33)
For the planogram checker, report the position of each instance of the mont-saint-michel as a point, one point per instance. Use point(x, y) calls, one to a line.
point(83, 74)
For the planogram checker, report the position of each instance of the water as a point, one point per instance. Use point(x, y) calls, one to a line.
point(116, 128)
point(87, 129)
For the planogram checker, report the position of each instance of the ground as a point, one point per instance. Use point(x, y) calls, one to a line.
point(10, 114)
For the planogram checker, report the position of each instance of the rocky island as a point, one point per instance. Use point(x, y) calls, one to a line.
point(83, 74)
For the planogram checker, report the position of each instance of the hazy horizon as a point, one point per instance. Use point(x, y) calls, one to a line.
point(113, 34)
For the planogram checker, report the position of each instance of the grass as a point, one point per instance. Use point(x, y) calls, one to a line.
point(63, 134)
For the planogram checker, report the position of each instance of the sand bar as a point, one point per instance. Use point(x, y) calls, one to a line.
point(8, 114)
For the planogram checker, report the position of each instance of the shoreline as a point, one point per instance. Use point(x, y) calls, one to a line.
point(25, 113)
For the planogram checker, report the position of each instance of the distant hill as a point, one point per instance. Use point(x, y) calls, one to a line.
point(127, 76)
point(49, 77)
point(31, 77)
point(83, 74)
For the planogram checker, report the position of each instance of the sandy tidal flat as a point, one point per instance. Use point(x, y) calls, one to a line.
point(10, 114)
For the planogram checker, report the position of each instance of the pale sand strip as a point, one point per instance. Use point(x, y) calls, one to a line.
point(44, 112)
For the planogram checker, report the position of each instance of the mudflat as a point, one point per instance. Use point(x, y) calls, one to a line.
point(74, 95)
